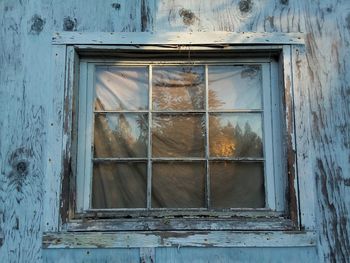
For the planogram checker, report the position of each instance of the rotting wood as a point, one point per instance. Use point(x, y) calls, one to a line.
point(186, 223)
point(147, 255)
point(179, 238)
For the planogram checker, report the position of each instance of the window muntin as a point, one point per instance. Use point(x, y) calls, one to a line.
point(180, 99)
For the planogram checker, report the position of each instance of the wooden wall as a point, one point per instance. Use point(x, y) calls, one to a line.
point(27, 115)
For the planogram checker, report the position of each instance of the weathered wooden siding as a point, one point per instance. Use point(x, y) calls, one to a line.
point(30, 107)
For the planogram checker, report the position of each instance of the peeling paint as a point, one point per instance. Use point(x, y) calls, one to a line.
point(145, 16)
point(271, 21)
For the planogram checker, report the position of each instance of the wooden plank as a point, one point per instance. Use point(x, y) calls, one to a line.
point(122, 255)
point(54, 156)
point(179, 238)
point(170, 38)
point(306, 183)
point(327, 83)
point(23, 132)
point(237, 255)
point(289, 141)
point(147, 254)
point(166, 223)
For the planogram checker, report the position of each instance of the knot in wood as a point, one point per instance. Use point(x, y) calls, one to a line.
point(188, 17)
point(116, 6)
point(19, 162)
point(69, 24)
point(22, 167)
point(245, 6)
point(37, 25)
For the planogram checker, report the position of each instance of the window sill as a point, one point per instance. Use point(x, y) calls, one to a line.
point(179, 239)
point(181, 224)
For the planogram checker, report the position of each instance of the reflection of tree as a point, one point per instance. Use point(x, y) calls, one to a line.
point(178, 88)
point(119, 184)
point(176, 135)
point(214, 101)
point(231, 141)
point(113, 135)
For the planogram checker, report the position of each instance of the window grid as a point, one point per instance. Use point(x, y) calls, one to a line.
point(206, 112)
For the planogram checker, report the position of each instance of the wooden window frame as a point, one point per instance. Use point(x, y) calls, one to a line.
point(64, 223)
point(271, 136)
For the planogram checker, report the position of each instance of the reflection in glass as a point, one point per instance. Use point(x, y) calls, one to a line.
point(120, 135)
point(121, 88)
point(119, 185)
point(175, 135)
point(178, 184)
point(237, 185)
point(235, 87)
point(235, 135)
point(178, 88)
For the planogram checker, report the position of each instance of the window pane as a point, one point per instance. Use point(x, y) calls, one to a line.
point(237, 185)
point(178, 88)
point(119, 185)
point(235, 87)
point(175, 135)
point(121, 88)
point(178, 184)
point(235, 135)
point(120, 135)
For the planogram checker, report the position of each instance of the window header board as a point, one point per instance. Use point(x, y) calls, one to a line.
point(175, 38)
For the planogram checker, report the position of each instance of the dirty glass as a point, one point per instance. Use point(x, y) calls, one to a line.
point(155, 152)
point(235, 87)
point(178, 184)
point(178, 88)
point(235, 135)
point(121, 88)
point(120, 135)
point(119, 185)
point(178, 135)
point(237, 185)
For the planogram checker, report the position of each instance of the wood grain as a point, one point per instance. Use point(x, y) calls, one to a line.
point(30, 102)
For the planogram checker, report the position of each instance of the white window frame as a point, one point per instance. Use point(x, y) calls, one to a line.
point(63, 227)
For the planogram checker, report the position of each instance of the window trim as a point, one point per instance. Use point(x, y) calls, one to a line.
point(270, 94)
point(67, 49)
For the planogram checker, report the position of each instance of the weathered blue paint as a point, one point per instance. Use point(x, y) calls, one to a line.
point(27, 98)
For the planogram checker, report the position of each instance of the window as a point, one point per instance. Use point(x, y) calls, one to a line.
point(166, 139)
point(191, 135)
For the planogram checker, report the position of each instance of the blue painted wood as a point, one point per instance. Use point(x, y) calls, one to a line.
point(91, 255)
point(26, 95)
point(235, 255)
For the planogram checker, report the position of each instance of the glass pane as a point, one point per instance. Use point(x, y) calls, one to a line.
point(235, 135)
point(178, 184)
point(235, 87)
point(175, 135)
point(178, 88)
point(121, 88)
point(119, 185)
point(120, 135)
point(237, 185)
